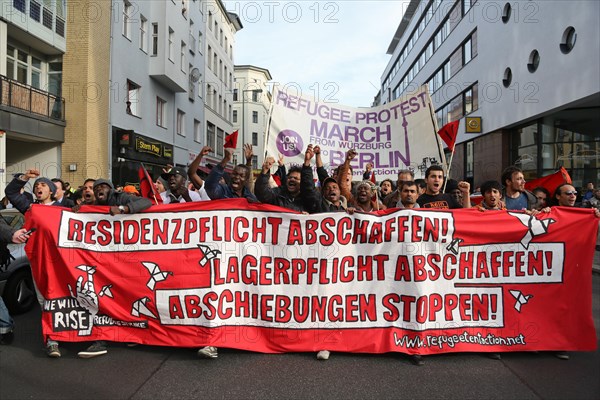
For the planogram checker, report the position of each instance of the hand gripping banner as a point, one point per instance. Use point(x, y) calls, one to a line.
point(255, 277)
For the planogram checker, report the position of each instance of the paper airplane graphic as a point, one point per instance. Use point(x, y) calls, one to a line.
point(156, 275)
point(207, 254)
point(522, 299)
point(105, 291)
point(453, 246)
point(139, 308)
point(536, 226)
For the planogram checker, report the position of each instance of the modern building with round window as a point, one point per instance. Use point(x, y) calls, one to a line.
point(522, 77)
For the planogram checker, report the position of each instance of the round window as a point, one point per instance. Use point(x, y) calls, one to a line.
point(534, 61)
point(568, 40)
point(506, 13)
point(507, 80)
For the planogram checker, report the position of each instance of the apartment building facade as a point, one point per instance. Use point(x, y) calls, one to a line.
point(32, 107)
point(522, 77)
point(141, 65)
point(221, 27)
point(252, 102)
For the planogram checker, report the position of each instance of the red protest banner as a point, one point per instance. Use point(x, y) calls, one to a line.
point(267, 280)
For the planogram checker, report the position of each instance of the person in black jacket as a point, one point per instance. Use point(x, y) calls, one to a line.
point(119, 202)
point(8, 235)
point(44, 191)
point(289, 196)
point(61, 195)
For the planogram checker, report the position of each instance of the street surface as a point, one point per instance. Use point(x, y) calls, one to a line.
point(145, 372)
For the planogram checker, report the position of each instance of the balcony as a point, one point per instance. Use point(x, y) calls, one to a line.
point(17, 95)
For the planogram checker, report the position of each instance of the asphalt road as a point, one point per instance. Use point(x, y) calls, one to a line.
point(145, 372)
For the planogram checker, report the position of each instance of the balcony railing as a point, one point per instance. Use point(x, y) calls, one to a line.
point(24, 97)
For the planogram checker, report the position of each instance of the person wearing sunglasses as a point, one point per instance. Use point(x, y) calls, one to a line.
point(565, 195)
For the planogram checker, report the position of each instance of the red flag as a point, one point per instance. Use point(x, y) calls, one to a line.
point(231, 140)
point(373, 178)
point(448, 133)
point(550, 182)
point(147, 188)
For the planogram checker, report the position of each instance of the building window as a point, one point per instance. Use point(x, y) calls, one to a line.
point(210, 135)
point(200, 42)
point(254, 138)
point(234, 118)
point(220, 140)
point(59, 27)
point(133, 96)
point(197, 131)
point(467, 55)
point(467, 5)
point(568, 40)
point(216, 30)
point(143, 34)
point(209, 57)
point(221, 37)
point(19, 5)
point(193, 44)
point(254, 162)
point(126, 19)
point(35, 10)
point(255, 117)
point(182, 57)
point(154, 39)
point(507, 79)
point(23, 67)
point(171, 44)
point(255, 96)
point(506, 13)
point(534, 61)
point(47, 17)
point(470, 160)
point(210, 20)
point(235, 95)
point(161, 105)
point(180, 129)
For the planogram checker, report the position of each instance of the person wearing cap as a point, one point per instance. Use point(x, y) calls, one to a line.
point(178, 191)
point(363, 200)
point(44, 191)
point(161, 184)
point(130, 189)
point(331, 197)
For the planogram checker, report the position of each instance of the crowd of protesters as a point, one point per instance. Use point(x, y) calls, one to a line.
point(294, 189)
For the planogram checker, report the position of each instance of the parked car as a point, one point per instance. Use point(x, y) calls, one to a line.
point(16, 284)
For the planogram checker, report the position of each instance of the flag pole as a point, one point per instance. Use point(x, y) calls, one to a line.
point(448, 173)
point(152, 183)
